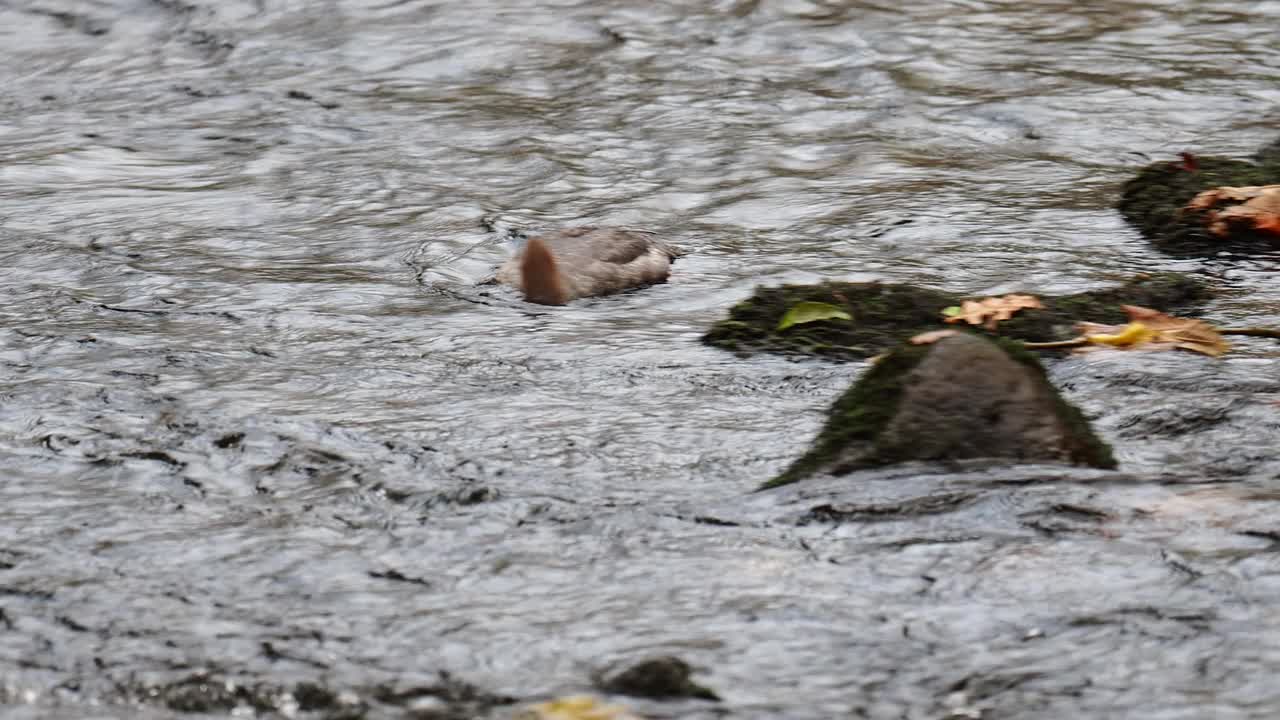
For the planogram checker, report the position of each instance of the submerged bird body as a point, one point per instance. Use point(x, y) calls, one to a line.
point(555, 268)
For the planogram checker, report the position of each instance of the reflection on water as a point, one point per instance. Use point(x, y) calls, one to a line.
point(248, 376)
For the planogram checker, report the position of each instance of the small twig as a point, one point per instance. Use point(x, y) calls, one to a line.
point(1254, 332)
point(1074, 342)
point(1081, 341)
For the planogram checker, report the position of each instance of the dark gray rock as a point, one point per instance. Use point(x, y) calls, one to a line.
point(660, 678)
point(964, 397)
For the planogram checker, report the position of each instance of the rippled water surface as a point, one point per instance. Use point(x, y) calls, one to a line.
point(261, 424)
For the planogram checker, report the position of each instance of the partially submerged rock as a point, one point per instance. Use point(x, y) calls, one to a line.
point(883, 315)
point(661, 678)
point(207, 694)
point(964, 397)
point(1155, 201)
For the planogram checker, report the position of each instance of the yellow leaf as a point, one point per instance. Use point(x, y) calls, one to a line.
point(809, 311)
point(1132, 334)
point(575, 707)
point(1153, 330)
point(989, 311)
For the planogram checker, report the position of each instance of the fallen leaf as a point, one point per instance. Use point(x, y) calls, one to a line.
point(989, 311)
point(575, 707)
point(808, 311)
point(931, 337)
point(1252, 207)
point(1153, 330)
point(1187, 333)
point(1134, 333)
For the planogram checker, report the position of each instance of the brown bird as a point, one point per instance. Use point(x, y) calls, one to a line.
point(557, 267)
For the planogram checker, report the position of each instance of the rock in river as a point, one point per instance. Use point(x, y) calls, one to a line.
point(961, 398)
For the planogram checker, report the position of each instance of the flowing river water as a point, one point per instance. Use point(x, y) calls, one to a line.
point(261, 427)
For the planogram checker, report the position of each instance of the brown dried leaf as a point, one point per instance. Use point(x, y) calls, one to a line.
point(1167, 332)
point(1092, 328)
point(931, 337)
point(1188, 334)
point(1251, 207)
point(989, 311)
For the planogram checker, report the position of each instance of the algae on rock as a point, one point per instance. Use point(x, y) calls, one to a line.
point(1154, 201)
point(884, 314)
point(964, 397)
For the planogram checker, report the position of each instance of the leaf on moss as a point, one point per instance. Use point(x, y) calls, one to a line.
point(1130, 335)
point(575, 707)
point(931, 337)
point(1228, 209)
point(989, 311)
point(808, 311)
point(1153, 330)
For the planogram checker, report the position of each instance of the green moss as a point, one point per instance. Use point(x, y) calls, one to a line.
point(858, 416)
point(881, 314)
point(884, 315)
point(1269, 156)
point(1153, 201)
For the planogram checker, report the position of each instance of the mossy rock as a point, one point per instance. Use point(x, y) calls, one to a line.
point(1153, 201)
point(661, 678)
point(962, 398)
point(1269, 156)
point(884, 315)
